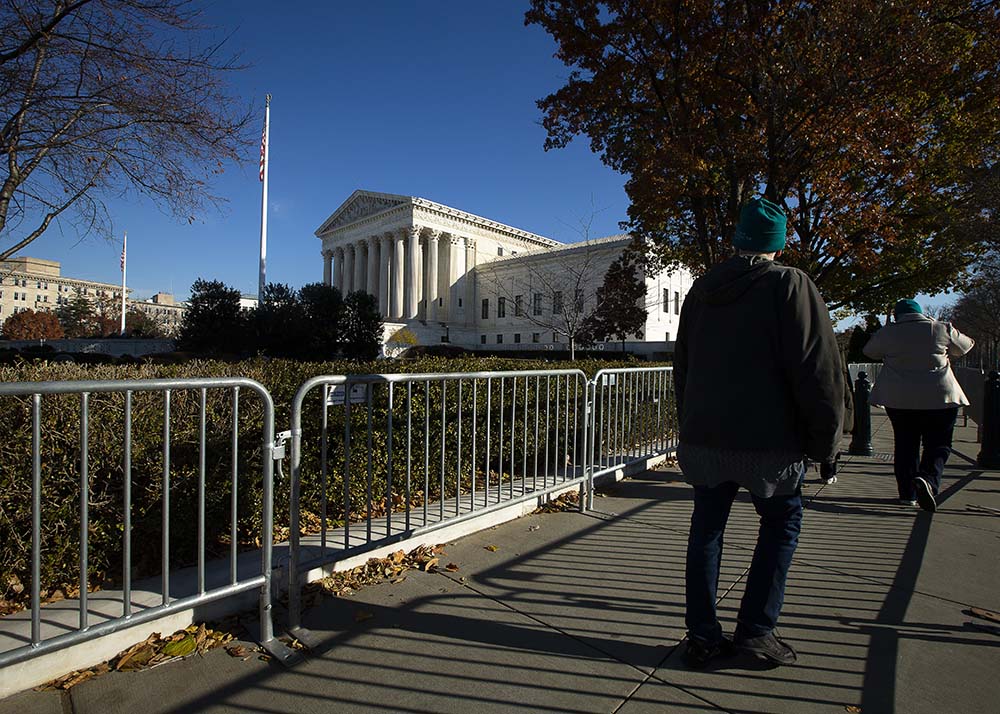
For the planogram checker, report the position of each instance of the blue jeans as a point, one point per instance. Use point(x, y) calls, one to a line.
point(780, 523)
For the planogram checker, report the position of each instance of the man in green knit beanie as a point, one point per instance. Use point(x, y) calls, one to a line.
point(759, 390)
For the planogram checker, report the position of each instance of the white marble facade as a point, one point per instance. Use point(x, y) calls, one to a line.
point(431, 267)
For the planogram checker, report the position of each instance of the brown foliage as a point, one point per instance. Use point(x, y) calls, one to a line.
point(31, 325)
point(875, 124)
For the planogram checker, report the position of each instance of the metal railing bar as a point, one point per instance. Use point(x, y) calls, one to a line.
point(368, 479)
point(127, 509)
point(324, 456)
point(475, 430)
point(36, 519)
point(84, 504)
point(388, 467)
point(234, 483)
point(444, 430)
point(201, 494)
point(165, 502)
point(347, 467)
point(458, 453)
point(427, 447)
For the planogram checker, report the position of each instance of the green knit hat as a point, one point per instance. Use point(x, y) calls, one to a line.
point(907, 307)
point(761, 228)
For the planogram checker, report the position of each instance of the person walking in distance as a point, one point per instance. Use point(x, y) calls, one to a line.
point(921, 396)
point(759, 391)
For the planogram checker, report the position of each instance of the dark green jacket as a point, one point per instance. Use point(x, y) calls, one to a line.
point(756, 363)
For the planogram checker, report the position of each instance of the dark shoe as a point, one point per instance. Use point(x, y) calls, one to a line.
point(925, 497)
point(699, 653)
point(768, 646)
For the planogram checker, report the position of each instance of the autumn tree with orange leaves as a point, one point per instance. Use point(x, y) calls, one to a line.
point(875, 124)
point(31, 325)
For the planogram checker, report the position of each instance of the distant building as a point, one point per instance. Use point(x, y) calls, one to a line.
point(162, 308)
point(37, 284)
point(451, 276)
point(248, 302)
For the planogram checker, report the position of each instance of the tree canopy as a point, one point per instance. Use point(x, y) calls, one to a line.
point(620, 309)
point(101, 97)
point(31, 325)
point(874, 124)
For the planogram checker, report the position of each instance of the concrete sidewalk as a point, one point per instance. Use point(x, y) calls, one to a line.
point(584, 613)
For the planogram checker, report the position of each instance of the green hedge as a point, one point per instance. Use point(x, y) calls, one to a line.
point(61, 458)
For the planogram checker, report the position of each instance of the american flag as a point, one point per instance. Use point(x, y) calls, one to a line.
point(263, 148)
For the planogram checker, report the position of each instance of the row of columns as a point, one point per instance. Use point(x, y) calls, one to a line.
point(403, 270)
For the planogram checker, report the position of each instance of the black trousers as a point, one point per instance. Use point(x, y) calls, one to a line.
point(910, 427)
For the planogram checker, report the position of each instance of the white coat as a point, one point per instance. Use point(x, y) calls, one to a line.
point(916, 371)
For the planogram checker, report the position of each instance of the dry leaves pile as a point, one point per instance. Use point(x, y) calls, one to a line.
point(377, 570)
point(569, 501)
point(151, 652)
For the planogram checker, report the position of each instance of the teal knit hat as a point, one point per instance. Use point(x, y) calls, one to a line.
point(761, 228)
point(907, 307)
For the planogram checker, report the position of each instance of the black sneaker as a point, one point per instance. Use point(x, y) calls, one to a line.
point(699, 653)
point(768, 646)
point(925, 497)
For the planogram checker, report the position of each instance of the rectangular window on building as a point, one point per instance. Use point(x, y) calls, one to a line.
point(460, 302)
point(578, 301)
point(536, 308)
point(501, 307)
point(486, 308)
point(677, 303)
point(482, 339)
point(557, 306)
point(517, 338)
point(440, 301)
point(555, 336)
point(536, 337)
point(518, 305)
point(499, 250)
point(666, 299)
point(499, 339)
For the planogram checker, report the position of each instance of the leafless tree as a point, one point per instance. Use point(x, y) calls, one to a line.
point(102, 98)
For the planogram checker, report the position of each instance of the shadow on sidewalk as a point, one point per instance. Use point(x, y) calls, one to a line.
point(578, 623)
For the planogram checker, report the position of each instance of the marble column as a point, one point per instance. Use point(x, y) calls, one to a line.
point(459, 271)
point(384, 280)
point(338, 268)
point(450, 277)
point(431, 285)
point(327, 267)
point(359, 265)
point(348, 270)
point(412, 294)
point(398, 252)
point(372, 283)
point(470, 282)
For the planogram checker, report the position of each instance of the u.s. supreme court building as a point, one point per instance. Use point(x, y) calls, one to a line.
point(451, 276)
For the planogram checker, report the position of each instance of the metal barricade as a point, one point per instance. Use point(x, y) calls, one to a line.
point(632, 417)
point(391, 456)
point(111, 403)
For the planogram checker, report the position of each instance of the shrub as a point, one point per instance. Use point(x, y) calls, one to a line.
point(61, 457)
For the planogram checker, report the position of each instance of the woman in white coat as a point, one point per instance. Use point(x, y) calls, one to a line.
point(921, 396)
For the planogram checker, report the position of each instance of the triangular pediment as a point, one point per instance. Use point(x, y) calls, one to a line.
point(360, 205)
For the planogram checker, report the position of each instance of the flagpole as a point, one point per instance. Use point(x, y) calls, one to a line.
point(124, 265)
point(264, 149)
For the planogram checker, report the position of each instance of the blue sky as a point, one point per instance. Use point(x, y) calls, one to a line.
point(432, 99)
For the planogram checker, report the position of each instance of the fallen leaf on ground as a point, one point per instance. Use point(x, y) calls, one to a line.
point(492, 548)
point(853, 709)
point(451, 567)
point(239, 651)
point(432, 563)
